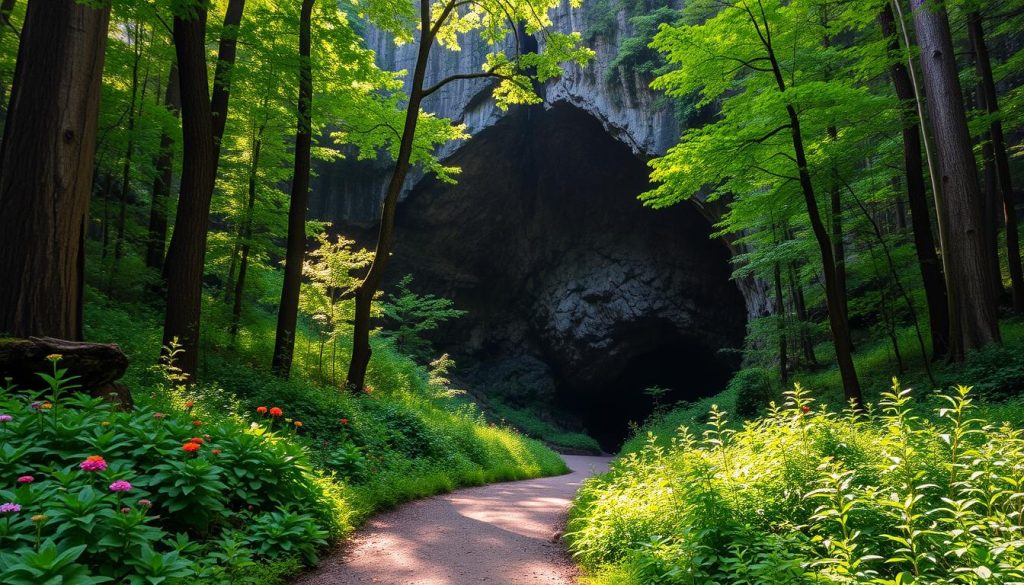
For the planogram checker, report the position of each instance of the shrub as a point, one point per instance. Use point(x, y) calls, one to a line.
point(753, 390)
point(804, 495)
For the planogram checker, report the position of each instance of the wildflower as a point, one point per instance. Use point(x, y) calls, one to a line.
point(207, 437)
point(54, 357)
point(9, 508)
point(145, 503)
point(190, 447)
point(298, 423)
point(105, 423)
point(368, 389)
point(6, 418)
point(93, 463)
point(805, 408)
point(120, 486)
point(189, 404)
point(344, 421)
point(47, 405)
point(261, 410)
point(126, 510)
point(36, 405)
point(197, 423)
point(39, 518)
point(275, 412)
point(196, 440)
point(215, 451)
point(159, 415)
point(26, 479)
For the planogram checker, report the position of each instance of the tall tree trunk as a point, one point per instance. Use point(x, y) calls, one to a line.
point(917, 197)
point(833, 295)
point(295, 252)
point(6, 8)
point(46, 167)
point(222, 75)
point(361, 351)
point(183, 268)
point(126, 168)
point(162, 181)
point(800, 306)
point(972, 307)
point(987, 88)
point(780, 314)
point(236, 305)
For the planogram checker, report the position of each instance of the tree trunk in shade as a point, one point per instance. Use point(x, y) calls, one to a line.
point(46, 168)
point(162, 181)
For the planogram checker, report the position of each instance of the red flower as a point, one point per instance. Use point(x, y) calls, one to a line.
point(275, 411)
point(196, 440)
point(197, 423)
point(261, 410)
point(344, 421)
point(189, 404)
point(190, 447)
point(215, 451)
point(805, 408)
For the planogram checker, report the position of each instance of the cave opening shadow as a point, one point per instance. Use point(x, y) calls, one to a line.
point(684, 369)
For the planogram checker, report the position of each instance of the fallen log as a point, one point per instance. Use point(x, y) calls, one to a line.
point(97, 365)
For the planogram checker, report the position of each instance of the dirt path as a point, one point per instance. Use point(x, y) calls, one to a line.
point(500, 534)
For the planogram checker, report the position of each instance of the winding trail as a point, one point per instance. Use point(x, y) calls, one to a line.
point(499, 534)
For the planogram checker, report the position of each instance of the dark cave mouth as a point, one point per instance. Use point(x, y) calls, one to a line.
point(684, 369)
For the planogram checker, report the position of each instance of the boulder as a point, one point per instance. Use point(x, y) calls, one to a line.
point(95, 366)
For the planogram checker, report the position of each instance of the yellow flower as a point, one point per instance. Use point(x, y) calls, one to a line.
point(39, 518)
point(54, 357)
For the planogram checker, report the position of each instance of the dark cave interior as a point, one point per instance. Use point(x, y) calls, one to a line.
point(564, 273)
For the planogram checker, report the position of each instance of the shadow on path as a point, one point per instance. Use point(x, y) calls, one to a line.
point(499, 534)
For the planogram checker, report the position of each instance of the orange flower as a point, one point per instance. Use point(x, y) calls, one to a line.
point(196, 440)
point(190, 447)
point(215, 451)
point(275, 411)
point(197, 423)
point(298, 423)
point(261, 410)
point(189, 404)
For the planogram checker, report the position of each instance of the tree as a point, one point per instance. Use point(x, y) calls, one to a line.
point(920, 217)
point(183, 268)
point(226, 55)
point(46, 166)
point(997, 144)
point(758, 143)
point(442, 22)
point(161, 191)
point(287, 314)
point(413, 315)
point(973, 318)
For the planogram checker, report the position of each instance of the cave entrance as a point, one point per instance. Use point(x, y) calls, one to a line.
point(578, 297)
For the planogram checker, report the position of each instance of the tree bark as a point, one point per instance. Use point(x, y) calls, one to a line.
point(800, 306)
point(295, 251)
point(162, 181)
point(183, 268)
point(972, 305)
point(361, 351)
point(917, 197)
point(780, 314)
point(222, 75)
point(46, 168)
point(987, 89)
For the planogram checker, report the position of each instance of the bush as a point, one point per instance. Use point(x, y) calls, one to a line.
point(753, 390)
point(804, 495)
point(90, 494)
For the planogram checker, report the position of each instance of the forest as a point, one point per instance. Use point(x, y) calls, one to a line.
point(731, 290)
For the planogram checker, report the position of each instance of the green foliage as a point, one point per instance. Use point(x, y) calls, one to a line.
point(409, 316)
point(805, 495)
point(753, 390)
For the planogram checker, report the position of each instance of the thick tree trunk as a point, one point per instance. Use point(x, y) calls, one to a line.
point(295, 252)
point(972, 306)
point(222, 75)
point(162, 181)
point(917, 197)
point(361, 351)
point(246, 237)
point(987, 89)
point(46, 167)
point(183, 268)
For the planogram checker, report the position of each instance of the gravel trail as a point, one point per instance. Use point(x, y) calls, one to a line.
point(499, 534)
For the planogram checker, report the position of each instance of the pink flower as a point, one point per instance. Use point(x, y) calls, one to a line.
point(93, 463)
point(159, 415)
point(9, 508)
point(120, 486)
point(26, 479)
point(126, 510)
point(6, 418)
point(145, 503)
